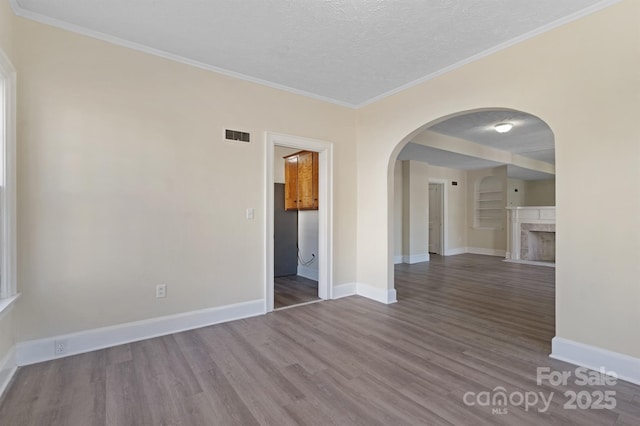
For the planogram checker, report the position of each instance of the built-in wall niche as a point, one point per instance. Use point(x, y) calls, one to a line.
point(489, 203)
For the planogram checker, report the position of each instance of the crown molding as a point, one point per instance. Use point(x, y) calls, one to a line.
point(54, 22)
point(526, 36)
point(27, 14)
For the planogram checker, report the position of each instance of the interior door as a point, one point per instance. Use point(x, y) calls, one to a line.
point(435, 218)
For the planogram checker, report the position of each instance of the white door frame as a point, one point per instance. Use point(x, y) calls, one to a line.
point(325, 211)
point(8, 215)
point(443, 213)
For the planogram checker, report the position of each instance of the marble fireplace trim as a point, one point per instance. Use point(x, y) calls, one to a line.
point(523, 220)
point(525, 234)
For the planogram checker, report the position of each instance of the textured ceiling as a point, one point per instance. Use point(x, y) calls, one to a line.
point(349, 52)
point(530, 137)
point(452, 160)
point(442, 158)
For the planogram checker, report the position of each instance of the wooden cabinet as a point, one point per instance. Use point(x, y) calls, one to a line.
point(291, 182)
point(301, 181)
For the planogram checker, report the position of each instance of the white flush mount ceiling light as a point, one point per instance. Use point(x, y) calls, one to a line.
point(503, 127)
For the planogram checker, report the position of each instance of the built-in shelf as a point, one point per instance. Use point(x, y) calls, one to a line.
point(489, 204)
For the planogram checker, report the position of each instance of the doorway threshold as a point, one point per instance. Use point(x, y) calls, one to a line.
point(282, 308)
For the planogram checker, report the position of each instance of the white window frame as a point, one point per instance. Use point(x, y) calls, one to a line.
point(8, 285)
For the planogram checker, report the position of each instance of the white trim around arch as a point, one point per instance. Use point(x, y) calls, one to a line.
point(325, 209)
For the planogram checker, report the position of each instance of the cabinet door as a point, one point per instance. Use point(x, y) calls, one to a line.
point(306, 194)
point(291, 183)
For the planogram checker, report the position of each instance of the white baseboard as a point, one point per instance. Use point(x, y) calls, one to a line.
point(307, 272)
point(397, 259)
point(364, 290)
point(455, 251)
point(8, 368)
point(415, 258)
point(34, 351)
point(626, 367)
point(381, 295)
point(344, 290)
point(486, 251)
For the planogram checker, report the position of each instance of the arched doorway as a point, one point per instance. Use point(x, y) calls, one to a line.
point(485, 173)
point(591, 114)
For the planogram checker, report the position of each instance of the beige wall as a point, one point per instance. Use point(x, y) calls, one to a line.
point(541, 193)
point(582, 80)
point(516, 192)
point(7, 340)
point(7, 333)
point(415, 208)
point(397, 212)
point(125, 182)
point(6, 28)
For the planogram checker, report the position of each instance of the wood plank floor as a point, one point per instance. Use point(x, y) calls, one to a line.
point(463, 324)
point(293, 290)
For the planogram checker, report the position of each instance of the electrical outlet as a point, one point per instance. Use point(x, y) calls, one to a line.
point(59, 347)
point(161, 291)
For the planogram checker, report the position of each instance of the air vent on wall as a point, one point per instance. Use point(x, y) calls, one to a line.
point(235, 135)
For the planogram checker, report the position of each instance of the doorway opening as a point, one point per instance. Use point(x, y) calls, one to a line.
point(298, 225)
point(479, 178)
point(295, 236)
point(437, 217)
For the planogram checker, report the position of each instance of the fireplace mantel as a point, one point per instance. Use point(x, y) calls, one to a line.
point(535, 218)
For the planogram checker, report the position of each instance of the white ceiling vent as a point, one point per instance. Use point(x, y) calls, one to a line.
point(237, 136)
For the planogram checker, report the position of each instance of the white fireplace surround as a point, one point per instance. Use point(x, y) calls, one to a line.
point(523, 219)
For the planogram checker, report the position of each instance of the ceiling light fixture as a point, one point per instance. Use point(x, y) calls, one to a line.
point(503, 127)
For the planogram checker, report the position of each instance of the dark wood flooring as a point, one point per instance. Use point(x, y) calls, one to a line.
point(463, 324)
point(293, 290)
